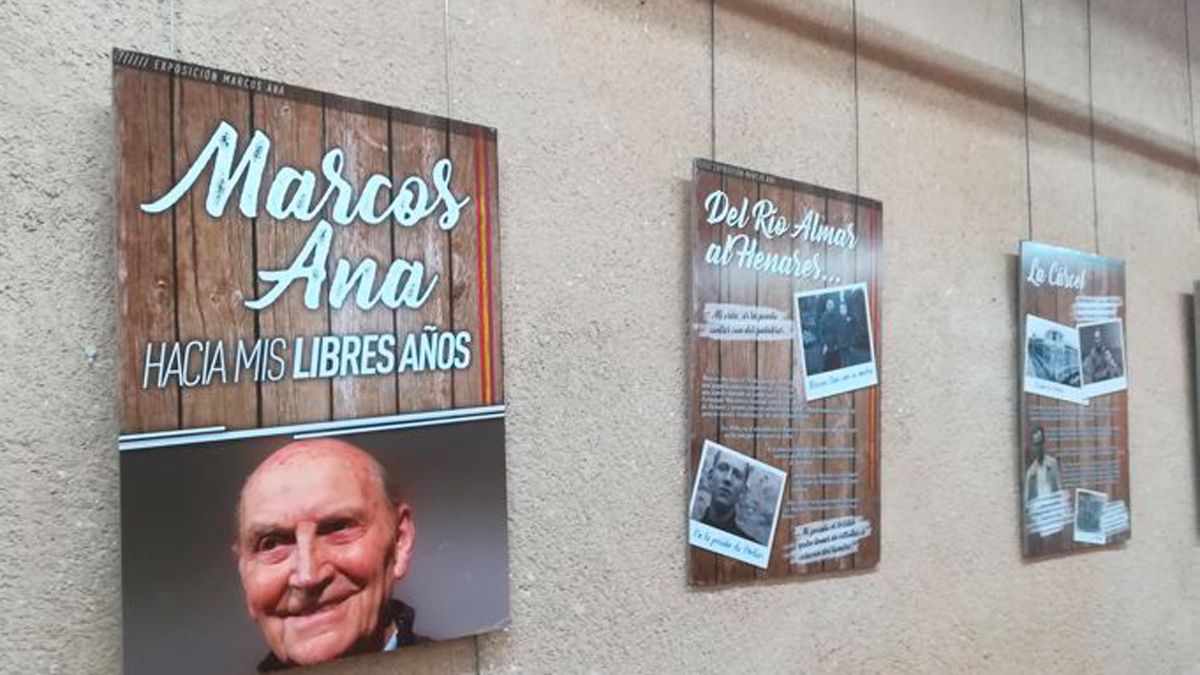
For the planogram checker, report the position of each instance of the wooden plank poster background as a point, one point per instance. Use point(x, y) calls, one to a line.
point(819, 442)
point(1088, 440)
point(185, 276)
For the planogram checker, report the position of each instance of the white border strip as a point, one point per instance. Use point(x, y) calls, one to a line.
point(165, 434)
point(313, 429)
point(400, 425)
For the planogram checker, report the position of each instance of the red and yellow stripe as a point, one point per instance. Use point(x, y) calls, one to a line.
point(485, 269)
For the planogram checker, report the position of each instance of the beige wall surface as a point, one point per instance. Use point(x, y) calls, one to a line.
point(976, 122)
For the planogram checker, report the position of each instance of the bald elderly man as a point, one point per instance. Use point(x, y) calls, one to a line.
point(322, 539)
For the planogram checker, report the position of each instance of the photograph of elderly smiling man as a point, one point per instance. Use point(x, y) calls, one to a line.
point(321, 541)
point(275, 553)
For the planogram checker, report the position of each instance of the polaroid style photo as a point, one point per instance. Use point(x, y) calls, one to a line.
point(837, 352)
point(1052, 360)
point(1089, 512)
point(735, 505)
point(1102, 350)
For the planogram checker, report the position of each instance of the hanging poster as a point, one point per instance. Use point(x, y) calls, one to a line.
point(1074, 409)
point(311, 395)
point(784, 458)
point(1196, 355)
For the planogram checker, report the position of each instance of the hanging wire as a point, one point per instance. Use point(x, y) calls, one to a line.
point(446, 44)
point(1025, 93)
point(1187, 42)
point(172, 47)
point(712, 79)
point(1092, 131)
point(857, 160)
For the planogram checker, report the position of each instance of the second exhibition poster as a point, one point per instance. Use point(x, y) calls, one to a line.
point(784, 456)
point(1074, 405)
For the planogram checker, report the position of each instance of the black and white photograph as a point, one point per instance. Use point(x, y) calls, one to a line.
point(837, 350)
point(1046, 509)
point(1052, 360)
point(735, 505)
point(1089, 509)
point(1102, 345)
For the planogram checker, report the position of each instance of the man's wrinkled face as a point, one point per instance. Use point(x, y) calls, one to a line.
point(319, 547)
point(1039, 443)
point(727, 482)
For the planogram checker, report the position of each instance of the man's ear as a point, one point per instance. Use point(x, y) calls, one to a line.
point(406, 534)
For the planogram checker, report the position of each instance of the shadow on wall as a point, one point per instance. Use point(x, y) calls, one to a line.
point(1191, 313)
point(1011, 280)
point(883, 45)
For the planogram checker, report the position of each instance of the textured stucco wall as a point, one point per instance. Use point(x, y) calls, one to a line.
point(601, 104)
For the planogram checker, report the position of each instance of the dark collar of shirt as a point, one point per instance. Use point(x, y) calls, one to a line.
point(729, 525)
